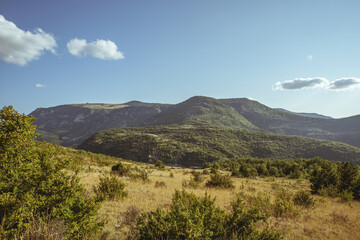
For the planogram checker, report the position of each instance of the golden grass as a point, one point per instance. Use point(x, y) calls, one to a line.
point(329, 219)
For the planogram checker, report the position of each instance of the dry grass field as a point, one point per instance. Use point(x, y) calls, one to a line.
point(330, 218)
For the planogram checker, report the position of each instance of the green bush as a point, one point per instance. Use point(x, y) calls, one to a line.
point(241, 223)
point(159, 164)
point(189, 217)
point(304, 199)
point(284, 205)
point(139, 173)
point(192, 217)
point(110, 188)
point(220, 181)
point(121, 170)
point(34, 186)
point(346, 196)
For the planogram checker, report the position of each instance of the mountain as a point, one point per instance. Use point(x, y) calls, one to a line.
point(345, 130)
point(203, 110)
point(190, 145)
point(70, 125)
point(311, 115)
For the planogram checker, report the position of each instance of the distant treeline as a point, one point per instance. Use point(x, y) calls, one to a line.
point(193, 145)
point(326, 177)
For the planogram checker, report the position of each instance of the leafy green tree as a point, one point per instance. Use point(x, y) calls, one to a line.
point(348, 173)
point(324, 177)
point(35, 187)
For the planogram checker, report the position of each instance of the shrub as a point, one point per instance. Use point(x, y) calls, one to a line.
point(356, 189)
point(260, 201)
point(284, 205)
point(197, 177)
point(192, 217)
point(160, 184)
point(241, 223)
point(220, 181)
point(304, 199)
point(189, 217)
point(130, 215)
point(110, 188)
point(346, 196)
point(159, 164)
point(34, 186)
point(171, 175)
point(121, 170)
point(330, 191)
point(139, 173)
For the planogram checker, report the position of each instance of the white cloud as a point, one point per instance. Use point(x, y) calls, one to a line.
point(20, 47)
point(340, 84)
point(301, 83)
point(309, 57)
point(103, 49)
point(39, 85)
point(345, 83)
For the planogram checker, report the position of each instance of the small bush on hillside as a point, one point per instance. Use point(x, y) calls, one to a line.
point(220, 181)
point(284, 205)
point(130, 215)
point(241, 223)
point(303, 198)
point(346, 196)
point(171, 175)
point(139, 173)
point(189, 217)
point(160, 184)
point(121, 170)
point(197, 177)
point(329, 191)
point(260, 201)
point(110, 188)
point(159, 164)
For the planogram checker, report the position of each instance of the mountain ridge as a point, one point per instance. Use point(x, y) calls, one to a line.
point(70, 125)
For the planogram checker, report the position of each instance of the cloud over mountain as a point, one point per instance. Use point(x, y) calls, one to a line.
point(301, 83)
point(103, 49)
point(20, 47)
point(345, 83)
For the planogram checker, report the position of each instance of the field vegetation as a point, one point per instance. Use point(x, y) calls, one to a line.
point(52, 192)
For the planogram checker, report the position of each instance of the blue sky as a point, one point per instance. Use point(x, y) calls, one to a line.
point(298, 55)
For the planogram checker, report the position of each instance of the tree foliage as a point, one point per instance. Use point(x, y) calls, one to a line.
point(35, 187)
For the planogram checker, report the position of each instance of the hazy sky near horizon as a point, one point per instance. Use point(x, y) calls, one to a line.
point(299, 55)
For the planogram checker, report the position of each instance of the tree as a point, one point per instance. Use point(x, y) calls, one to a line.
point(36, 188)
point(348, 173)
point(325, 177)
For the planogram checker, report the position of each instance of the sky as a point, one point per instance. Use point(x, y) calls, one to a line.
point(299, 55)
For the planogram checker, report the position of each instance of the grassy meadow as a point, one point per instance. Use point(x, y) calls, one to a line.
point(329, 218)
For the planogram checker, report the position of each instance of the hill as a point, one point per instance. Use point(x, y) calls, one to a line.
point(312, 115)
point(193, 145)
point(345, 130)
point(70, 125)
